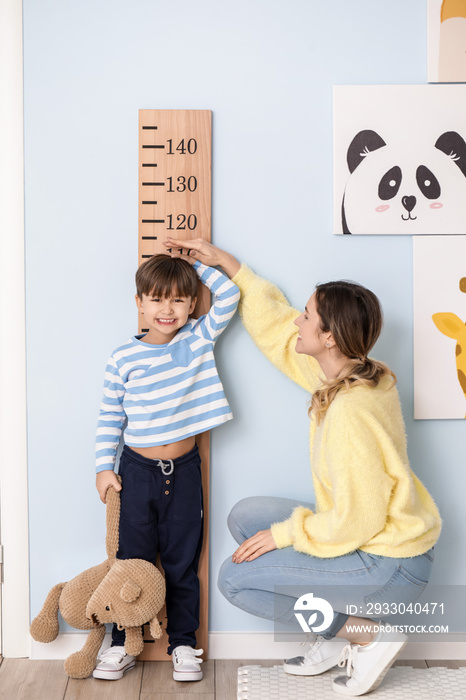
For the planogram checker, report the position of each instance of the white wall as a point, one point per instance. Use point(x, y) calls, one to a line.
point(266, 69)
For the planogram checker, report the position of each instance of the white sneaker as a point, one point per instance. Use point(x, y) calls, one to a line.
point(113, 663)
point(367, 665)
point(186, 664)
point(322, 655)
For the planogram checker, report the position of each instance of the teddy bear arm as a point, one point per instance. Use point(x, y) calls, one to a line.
point(113, 521)
point(155, 628)
point(82, 663)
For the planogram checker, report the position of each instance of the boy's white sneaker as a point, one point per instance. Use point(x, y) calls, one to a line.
point(322, 655)
point(186, 664)
point(367, 665)
point(113, 663)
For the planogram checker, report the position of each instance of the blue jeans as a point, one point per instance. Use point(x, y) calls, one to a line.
point(256, 586)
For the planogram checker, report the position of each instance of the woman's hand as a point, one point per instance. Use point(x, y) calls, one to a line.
point(254, 547)
point(205, 252)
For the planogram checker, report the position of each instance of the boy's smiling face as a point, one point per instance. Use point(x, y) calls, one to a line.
point(164, 316)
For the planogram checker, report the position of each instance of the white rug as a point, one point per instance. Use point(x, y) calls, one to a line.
point(401, 682)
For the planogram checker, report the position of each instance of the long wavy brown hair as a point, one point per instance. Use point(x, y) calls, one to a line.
point(353, 315)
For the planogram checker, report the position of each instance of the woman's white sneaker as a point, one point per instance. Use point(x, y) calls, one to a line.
point(186, 664)
point(367, 665)
point(113, 663)
point(322, 655)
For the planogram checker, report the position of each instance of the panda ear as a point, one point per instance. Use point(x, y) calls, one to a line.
point(454, 146)
point(363, 143)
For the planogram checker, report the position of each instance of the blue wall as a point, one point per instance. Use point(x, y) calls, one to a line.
point(266, 68)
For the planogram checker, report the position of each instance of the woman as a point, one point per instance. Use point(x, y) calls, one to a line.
point(374, 524)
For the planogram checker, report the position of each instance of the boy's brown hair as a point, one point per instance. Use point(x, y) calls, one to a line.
point(162, 275)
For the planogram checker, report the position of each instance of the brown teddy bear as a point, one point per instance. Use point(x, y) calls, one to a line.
point(128, 592)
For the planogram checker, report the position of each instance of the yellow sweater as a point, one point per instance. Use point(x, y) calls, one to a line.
point(366, 495)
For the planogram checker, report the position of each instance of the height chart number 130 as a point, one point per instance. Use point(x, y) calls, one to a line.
point(174, 177)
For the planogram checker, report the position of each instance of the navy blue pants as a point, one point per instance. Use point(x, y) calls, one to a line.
point(162, 510)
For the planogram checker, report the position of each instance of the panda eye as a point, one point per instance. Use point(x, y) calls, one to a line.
point(390, 183)
point(427, 183)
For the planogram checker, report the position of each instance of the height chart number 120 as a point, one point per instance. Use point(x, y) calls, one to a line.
point(174, 177)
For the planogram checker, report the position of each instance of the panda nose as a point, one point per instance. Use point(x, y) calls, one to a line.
point(409, 203)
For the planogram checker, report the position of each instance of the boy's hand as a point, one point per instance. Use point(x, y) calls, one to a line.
point(208, 254)
point(104, 480)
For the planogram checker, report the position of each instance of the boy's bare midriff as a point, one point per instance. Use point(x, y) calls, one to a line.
point(171, 451)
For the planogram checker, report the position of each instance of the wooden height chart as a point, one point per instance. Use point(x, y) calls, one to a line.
point(175, 200)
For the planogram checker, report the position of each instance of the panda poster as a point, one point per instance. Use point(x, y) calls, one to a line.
point(446, 41)
point(439, 327)
point(400, 159)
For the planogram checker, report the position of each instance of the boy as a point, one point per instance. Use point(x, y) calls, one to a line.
point(164, 385)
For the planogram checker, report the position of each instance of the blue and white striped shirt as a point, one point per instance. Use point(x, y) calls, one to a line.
point(167, 392)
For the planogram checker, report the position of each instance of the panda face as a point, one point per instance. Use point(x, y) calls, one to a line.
point(405, 191)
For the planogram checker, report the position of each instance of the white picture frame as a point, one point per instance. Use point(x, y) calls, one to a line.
point(446, 41)
point(400, 159)
point(439, 327)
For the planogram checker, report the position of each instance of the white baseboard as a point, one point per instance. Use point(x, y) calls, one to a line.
point(259, 645)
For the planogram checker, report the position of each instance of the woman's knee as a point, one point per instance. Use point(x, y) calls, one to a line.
point(240, 514)
point(224, 579)
point(256, 513)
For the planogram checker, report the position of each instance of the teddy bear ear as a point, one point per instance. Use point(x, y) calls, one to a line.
point(130, 591)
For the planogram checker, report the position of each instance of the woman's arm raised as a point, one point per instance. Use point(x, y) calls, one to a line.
point(265, 312)
point(206, 253)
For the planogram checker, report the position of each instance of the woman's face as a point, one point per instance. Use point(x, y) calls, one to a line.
point(311, 339)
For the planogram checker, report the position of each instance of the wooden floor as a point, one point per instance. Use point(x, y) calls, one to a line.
point(23, 679)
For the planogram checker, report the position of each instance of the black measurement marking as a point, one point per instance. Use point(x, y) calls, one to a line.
point(150, 127)
point(149, 184)
point(153, 221)
point(145, 330)
point(147, 201)
point(149, 238)
point(149, 165)
point(146, 256)
point(152, 146)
